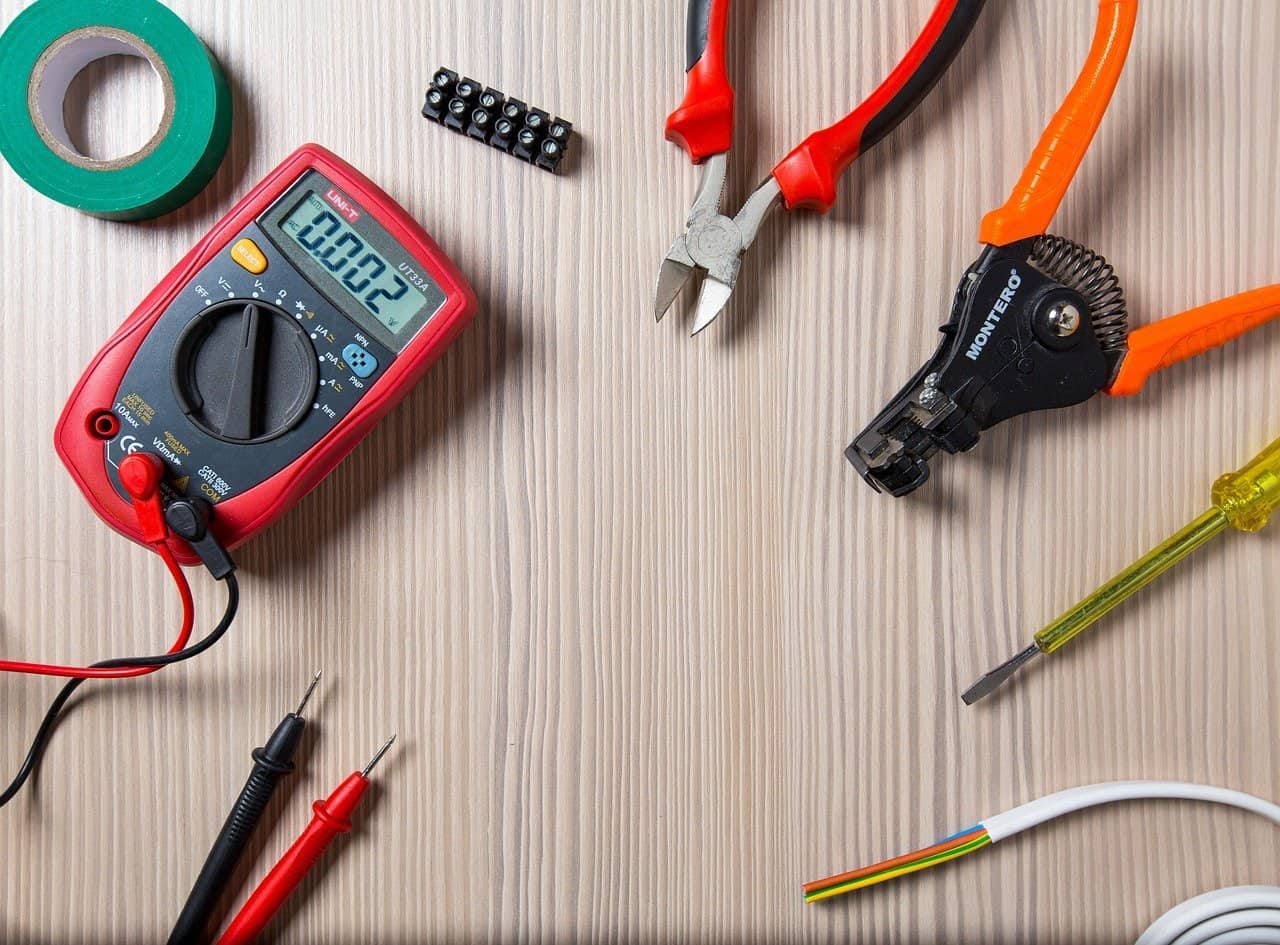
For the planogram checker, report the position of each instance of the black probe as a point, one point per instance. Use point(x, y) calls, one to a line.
point(271, 762)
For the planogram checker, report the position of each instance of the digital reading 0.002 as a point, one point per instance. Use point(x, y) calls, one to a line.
point(363, 272)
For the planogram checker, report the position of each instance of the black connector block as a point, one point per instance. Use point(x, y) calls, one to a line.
point(504, 134)
point(514, 110)
point(481, 126)
point(468, 90)
point(437, 103)
point(526, 146)
point(456, 116)
point(465, 106)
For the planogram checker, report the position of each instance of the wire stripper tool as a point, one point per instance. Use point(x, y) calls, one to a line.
point(713, 242)
point(1244, 500)
point(1040, 322)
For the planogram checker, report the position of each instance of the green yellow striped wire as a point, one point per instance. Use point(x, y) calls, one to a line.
point(947, 850)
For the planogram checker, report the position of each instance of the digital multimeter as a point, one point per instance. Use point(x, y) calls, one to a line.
point(272, 349)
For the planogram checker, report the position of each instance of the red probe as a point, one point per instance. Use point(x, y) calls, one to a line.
point(141, 474)
point(332, 817)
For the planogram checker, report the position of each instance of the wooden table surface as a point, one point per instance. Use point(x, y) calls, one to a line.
point(655, 653)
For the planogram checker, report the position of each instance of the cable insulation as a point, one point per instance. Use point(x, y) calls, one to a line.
point(954, 847)
point(1243, 915)
point(1057, 805)
point(1248, 915)
point(145, 663)
point(112, 669)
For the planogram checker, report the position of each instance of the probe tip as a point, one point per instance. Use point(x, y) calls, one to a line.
point(378, 757)
point(306, 696)
point(1000, 675)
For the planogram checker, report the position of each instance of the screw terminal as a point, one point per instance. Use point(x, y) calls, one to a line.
point(464, 106)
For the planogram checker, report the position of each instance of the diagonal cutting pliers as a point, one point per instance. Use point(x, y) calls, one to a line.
point(713, 242)
point(1040, 322)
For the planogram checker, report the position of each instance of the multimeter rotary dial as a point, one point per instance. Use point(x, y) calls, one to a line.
point(245, 371)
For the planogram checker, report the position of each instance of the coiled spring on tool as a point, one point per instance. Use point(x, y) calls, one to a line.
point(1088, 273)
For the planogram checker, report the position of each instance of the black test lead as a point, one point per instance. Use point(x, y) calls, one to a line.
point(332, 818)
point(271, 762)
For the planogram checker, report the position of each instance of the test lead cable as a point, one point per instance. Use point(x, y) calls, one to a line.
point(160, 517)
point(142, 474)
point(1255, 916)
point(271, 763)
point(45, 731)
point(99, 671)
point(332, 817)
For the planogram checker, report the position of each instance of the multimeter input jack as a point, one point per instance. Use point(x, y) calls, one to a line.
point(104, 425)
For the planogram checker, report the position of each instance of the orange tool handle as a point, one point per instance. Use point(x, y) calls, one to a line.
point(1173, 340)
point(1057, 157)
point(808, 175)
point(703, 124)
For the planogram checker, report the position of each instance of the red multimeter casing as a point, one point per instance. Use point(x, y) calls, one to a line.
point(256, 366)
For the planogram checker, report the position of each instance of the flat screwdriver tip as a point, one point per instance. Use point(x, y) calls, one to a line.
point(1000, 675)
point(378, 757)
point(306, 696)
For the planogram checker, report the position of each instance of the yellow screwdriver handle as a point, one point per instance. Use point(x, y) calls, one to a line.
point(1244, 499)
point(1129, 581)
point(1248, 497)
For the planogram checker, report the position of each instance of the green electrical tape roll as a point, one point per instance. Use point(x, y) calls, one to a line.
point(44, 49)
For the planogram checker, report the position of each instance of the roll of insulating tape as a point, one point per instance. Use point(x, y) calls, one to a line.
point(44, 49)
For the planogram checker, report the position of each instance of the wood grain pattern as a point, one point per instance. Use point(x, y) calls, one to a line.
point(656, 655)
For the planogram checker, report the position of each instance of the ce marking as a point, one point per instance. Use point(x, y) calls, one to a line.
point(130, 444)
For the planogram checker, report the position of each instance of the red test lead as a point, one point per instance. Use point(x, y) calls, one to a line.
point(332, 817)
point(141, 474)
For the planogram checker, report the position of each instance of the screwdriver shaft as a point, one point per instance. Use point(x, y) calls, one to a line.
point(1245, 500)
point(1131, 580)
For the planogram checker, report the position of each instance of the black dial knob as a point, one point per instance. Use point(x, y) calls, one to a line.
point(244, 371)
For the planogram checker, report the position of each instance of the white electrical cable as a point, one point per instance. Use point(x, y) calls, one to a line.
point(1245, 915)
point(1048, 808)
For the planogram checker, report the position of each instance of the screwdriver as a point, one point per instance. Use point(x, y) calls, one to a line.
point(271, 762)
point(332, 817)
point(1243, 500)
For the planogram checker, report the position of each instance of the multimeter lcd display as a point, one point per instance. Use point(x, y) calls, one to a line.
point(354, 264)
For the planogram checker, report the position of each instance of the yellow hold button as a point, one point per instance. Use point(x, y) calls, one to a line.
point(247, 254)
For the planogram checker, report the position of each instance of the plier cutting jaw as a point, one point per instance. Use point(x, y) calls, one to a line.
point(1040, 322)
point(714, 242)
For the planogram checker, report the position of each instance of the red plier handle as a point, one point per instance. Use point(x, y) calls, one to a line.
point(807, 177)
point(703, 124)
point(809, 174)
